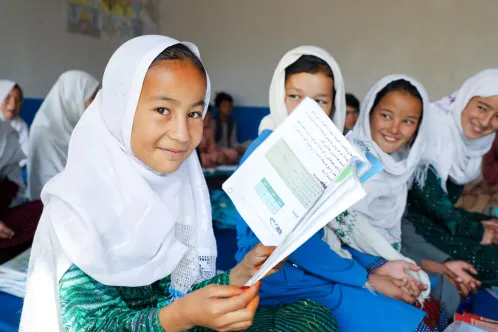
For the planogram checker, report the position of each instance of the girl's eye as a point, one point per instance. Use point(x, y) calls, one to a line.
point(195, 115)
point(162, 110)
point(319, 101)
point(387, 116)
point(293, 96)
point(409, 121)
point(482, 108)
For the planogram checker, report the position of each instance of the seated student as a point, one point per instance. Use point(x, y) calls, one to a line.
point(126, 239)
point(225, 127)
point(392, 125)
point(209, 154)
point(341, 281)
point(11, 98)
point(461, 130)
point(53, 124)
point(352, 112)
point(393, 122)
point(17, 224)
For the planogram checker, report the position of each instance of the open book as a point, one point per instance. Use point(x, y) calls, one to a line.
point(301, 177)
point(13, 275)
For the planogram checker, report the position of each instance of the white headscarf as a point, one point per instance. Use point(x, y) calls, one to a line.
point(450, 152)
point(10, 155)
point(373, 225)
point(278, 110)
point(118, 221)
point(52, 127)
point(17, 123)
point(5, 87)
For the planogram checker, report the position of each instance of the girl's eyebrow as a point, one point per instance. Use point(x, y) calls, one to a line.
point(295, 89)
point(166, 98)
point(485, 105)
point(176, 102)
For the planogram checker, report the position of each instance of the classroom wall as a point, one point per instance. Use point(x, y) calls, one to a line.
point(440, 42)
point(35, 47)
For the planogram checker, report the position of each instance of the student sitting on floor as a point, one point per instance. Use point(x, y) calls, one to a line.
point(11, 98)
point(352, 112)
point(224, 125)
point(53, 124)
point(17, 223)
point(341, 281)
point(461, 131)
point(126, 239)
point(210, 154)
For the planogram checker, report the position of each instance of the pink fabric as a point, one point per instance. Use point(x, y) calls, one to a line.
point(490, 164)
point(23, 220)
point(209, 154)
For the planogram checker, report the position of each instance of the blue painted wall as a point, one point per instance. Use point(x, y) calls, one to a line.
point(29, 108)
point(247, 117)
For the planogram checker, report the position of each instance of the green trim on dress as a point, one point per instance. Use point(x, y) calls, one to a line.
point(87, 305)
point(455, 231)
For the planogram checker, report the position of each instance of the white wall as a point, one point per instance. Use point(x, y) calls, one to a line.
point(35, 47)
point(440, 42)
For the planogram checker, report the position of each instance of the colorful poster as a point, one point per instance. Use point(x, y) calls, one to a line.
point(113, 19)
point(118, 7)
point(83, 19)
point(91, 3)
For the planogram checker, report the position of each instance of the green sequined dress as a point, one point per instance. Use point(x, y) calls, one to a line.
point(87, 305)
point(455, 231)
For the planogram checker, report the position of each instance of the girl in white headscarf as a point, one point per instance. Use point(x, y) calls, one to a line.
point(339, 278)
point(461, 130)
point(393, 126)
point(53, 124)
point(126, 240)
point(17, 224)
point(11, 99)
point(283, 101)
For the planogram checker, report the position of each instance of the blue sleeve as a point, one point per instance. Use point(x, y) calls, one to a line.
point(316, 257)
point(363, 259)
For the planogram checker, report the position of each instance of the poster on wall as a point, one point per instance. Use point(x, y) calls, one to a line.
point(112, 19)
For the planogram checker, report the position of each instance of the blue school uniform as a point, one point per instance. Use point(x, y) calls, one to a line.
point(317, 273)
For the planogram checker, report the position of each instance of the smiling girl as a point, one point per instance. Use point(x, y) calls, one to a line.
point(339, 278)
point(12, 98)
point(462, 129)
point(125, 242)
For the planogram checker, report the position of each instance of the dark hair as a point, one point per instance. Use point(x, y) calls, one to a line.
point(179, 52)
point(221, 97)
point(209, 109)
point(400, 85)
point(352, 101)
point(17, 86)
point(312, 65)
point(309, 64)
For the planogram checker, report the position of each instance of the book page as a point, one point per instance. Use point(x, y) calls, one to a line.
point(344, 195)
point(283, 179)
